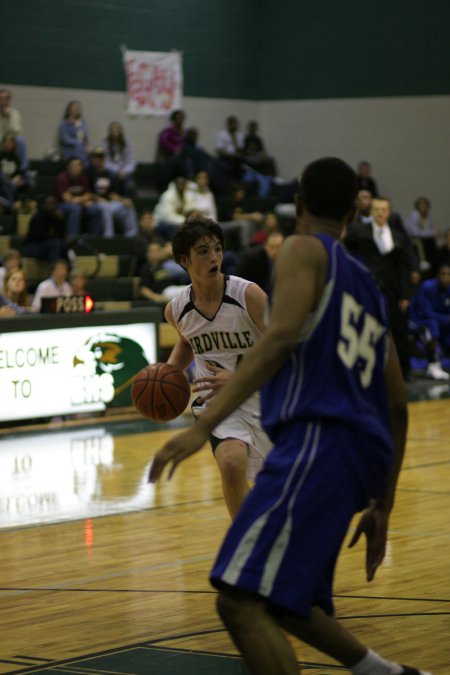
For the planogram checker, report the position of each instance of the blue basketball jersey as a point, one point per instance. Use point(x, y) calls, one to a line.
point(336, 371)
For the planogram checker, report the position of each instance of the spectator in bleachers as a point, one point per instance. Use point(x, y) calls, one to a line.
point(55, 285)
point(11, 122)
point(169, 146)
point(78, 280)
point(11, 259)
point(255, 154)
point(257, 261)
point(119, 159)
point(15, 291)
point(363, 206)
point(230, 148)
point(45, 238)
point(286, 206)
point(200, 198)
point(171, 138)
point(10, 118)
point(365, 179)
point(76, 200)
point(270, 223)
point(364, 216)
point(194, 158)
point(161, 277)
point(16, 183)
point(419, 223)
point(424, 234)
point(73, 133)
point(114, 207)
point(430, 308)
point(145, 235)
point(237, 207)
point(236, 214)
point(382, 248)
point(171, 209)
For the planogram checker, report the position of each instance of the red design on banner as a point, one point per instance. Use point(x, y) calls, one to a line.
point(154, 82)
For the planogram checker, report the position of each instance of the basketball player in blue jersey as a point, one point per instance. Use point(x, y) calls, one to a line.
point(218, 318)
point(333, 403)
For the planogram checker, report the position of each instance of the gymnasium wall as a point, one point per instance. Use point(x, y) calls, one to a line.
point(360, 80)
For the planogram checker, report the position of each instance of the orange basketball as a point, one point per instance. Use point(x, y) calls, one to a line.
point(160, 392)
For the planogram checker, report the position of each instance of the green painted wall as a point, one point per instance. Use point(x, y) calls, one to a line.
point(244, 49)
point(75, 43)
point(355, 48)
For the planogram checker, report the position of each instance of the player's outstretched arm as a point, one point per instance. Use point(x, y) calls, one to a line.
point(300, 274)
point(176, 450)
point(374, 521)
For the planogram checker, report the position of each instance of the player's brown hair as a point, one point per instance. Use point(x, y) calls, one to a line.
point(194, 228)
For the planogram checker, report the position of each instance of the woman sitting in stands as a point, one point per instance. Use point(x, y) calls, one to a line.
point(16, 183)
point(73, 134)
point(14, 299)
point(119, 158)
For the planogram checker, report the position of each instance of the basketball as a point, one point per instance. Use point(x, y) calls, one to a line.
point(160, 392)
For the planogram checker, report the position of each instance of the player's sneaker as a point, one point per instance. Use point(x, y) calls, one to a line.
point(407, 670)
point(436, 372)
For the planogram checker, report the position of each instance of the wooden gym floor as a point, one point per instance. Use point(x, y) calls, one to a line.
point(103, 573)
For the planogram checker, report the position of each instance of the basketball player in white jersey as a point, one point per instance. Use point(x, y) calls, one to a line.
point(218, 318)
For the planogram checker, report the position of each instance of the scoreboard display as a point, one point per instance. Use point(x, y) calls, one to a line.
point(68, 304)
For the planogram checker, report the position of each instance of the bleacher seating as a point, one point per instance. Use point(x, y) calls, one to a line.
point(108, 262)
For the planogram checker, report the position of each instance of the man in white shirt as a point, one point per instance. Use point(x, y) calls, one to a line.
point(385, 252)
point(381, 230)
point(55, 285)
point(172, 207)
point(200, 197)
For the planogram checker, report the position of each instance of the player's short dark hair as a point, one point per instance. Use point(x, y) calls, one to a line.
point(194, 228)
point(328, 188)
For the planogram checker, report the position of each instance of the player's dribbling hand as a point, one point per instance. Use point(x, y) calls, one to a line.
point(176, 450)
point(373, 523)
point(211, 383)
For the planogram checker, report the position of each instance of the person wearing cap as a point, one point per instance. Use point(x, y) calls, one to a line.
point(114, 207)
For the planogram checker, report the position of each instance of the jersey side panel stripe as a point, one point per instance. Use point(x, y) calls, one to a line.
point(249, 540)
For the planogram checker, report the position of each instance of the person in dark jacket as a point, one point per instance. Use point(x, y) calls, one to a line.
point(46, 234)
point(256, 263)
point(384, 251)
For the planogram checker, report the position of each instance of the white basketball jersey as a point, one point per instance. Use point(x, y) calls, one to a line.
point(222, 340)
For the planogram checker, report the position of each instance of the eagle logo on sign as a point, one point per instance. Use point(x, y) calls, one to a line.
point(115, 355)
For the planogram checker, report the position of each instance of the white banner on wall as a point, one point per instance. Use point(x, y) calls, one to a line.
point(62, 371)
point(154, 82)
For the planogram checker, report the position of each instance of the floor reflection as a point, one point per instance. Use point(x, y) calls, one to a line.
point(427, 390)
point(57, 476)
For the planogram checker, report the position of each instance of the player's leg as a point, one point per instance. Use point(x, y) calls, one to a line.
point(232, 459)
point(328, 636)
point(324, 634)
point(256, 634)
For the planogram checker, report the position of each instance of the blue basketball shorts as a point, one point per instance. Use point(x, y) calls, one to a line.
point(285, 540)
